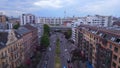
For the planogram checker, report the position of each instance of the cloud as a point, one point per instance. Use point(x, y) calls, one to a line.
point(17, 7)
point(12, 12)
point(53, 3)
point(49, 3)
point(72, 7)
point(31, 6)
point(101, 7)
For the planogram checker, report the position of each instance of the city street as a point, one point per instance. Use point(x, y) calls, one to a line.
point(48, 58)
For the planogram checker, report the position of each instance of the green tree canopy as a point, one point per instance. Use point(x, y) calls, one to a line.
point(46, 29)
point(16, 26)
point(45, 40)
point(68, 34)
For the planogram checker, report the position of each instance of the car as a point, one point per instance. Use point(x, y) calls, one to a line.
point(65, 49)
point(64, 67)
point(68, 60)
point(45, 64)
point(69, 66)
point(49, 48)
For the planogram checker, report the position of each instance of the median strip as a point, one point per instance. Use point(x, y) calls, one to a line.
point(57, 56)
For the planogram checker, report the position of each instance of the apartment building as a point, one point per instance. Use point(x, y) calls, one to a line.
point(55, 20)
point(51, 21)
point(10, 49)
point(27, 18)
point(17, 46)
point(3, 19)
point(26, 35)
point(100, 45)
point(14, 21)
point(96, 20)
point(74, 25)
point(34, 37)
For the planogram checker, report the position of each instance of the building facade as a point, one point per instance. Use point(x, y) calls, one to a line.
point(27, 18)
point(100, 45)
point(11, 54)
point(17, 46)
point(57, 21)
point(97, 20)
point(3, 19)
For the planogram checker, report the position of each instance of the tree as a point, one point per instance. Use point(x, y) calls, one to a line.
point(16, 26)
point(45, 40)
point(46, 29)
point(68, 34)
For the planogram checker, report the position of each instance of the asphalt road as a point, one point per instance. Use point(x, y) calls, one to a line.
point(65, 49)
point(48, 59)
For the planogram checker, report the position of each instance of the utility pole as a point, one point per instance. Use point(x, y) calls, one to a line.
point(65, 14)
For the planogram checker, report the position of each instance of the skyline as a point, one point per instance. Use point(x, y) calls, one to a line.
point(56, 8)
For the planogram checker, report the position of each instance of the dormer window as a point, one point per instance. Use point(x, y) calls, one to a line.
point(104, 36)
point(1, 43)
point(100, 34)
point(113, 38)
point(95, 32)
point(18, 35)
point(118, 40)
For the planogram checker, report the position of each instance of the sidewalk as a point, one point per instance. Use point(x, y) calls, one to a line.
point(42, 59)
point(76, 64)
point(70, 46)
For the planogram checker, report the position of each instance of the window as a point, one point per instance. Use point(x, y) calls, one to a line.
point(89, 22)
point(115, 57)
point(113, 38)
point(119, 60)
point(110, 46)
point(116, 49)
point(114, 65)
point(104, 36)
point(2, 54)
point(100, 34)
point(118, 40)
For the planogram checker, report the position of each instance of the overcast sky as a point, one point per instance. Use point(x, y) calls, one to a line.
point(57, 8)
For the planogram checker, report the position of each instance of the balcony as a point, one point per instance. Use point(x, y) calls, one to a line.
point(3, 57)
point(104, 41)
point(5, 65)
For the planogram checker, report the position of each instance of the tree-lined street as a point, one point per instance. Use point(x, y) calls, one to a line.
point(49, 59)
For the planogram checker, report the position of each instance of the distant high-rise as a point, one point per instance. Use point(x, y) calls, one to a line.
point(27, 18)
point(3, 19)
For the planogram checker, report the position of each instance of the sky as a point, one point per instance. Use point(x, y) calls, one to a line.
point(60, 8)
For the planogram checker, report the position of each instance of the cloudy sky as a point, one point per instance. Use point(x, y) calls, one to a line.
point(58, 8)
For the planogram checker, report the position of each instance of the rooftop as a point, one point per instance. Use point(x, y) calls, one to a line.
point(22, 30)
point(109, 33)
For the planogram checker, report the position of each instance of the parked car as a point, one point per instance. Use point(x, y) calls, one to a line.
point(64, 67)
point(69, 66)
point(45, 64)
point(65, 49)
point(49, 48)
point(68, 61)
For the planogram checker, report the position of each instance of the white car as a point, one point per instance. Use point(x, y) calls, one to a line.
point(65, 49)
point(49, 48)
